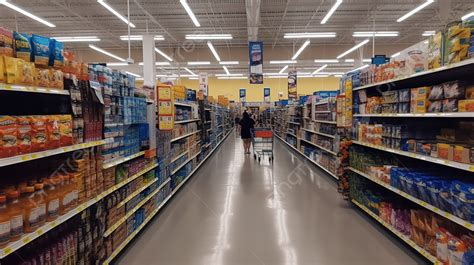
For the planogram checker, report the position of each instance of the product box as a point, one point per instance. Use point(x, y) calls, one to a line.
point(466, 105)
point(419, 99)
point(445, 151)
point(461, 154)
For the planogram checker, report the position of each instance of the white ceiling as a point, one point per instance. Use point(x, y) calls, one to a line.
point(168, 18)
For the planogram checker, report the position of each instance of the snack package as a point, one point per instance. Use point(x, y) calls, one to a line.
point(457, 43)
point(65, 128)
point(3, 73)
point(41, 77)
point(56, 58)
point(453, 90)
point(40, 50)
point(470, 92)
point(436, 92)
point(56, 79)
point(22, 46)
point(442, 238)
point(8, 136)
point(456, 250)
point(24, 134)
point(54, 133)
point(450, 105)
point(39, 137)
point(435, 51)
point(466, 105)
point(11, 69)
point(435, 106)
point(26, 71)
point(6, 42)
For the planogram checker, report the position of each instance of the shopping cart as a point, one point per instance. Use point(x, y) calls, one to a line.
point(262, 142)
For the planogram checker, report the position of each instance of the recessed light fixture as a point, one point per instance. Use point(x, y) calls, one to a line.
point(213, 50)
point(26, 13)
point(117, 14)
point(199, 63)
point(353, 48)
point(163, 54)
point(320, 69)
point(184, 3)
point(132, 74)
point(396, 54)
point(326, 61)
point(309, 35)
point(106, 53)
point(229, 63)
point(331, 11)
point(418, 8)
point(300, 50)
point(208, 36)
point(140, 37)
point(283, 69)
point(365, 34)
point(77, 39)
point(428, 33)
point(283, 62)
point(468, 16)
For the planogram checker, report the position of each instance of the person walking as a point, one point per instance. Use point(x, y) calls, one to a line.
point(246, 125)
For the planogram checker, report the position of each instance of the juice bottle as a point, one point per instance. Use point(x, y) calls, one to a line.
point(4, 221)
point(16, 214)
point(61, 181)
point(52, 200)
point(40, 200)
point(30, 209)
point(74, 190)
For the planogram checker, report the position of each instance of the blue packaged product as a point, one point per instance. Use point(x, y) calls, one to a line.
point(468, 257)
point(421, 185)
point(22, 46)
point(435, 188)
point(56, 58)
point(40, 55)
point(464, 190)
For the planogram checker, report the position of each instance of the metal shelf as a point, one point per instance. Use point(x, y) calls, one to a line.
point(122, 160)
point(186, 121)
point(319, 133)
point(294, 135)
point(328, 122)
point(320, 147)
point(182, 104)
point(183, 164)
point(178, 156)
point(32, 89)
point(466, 167)
point(184, 136)
point(419, 115)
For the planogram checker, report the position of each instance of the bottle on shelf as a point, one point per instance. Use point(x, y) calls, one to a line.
point(16, 214)
point(40, 200)
point(30, 209)
point(4, 222)
point(52, 200)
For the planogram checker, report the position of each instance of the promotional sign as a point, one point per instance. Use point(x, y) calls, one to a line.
point(256, 62)
point(348, 103)
point(266, 94)
point(292, 79)
point(203, 81)
point(243, 93)
point(165, 108)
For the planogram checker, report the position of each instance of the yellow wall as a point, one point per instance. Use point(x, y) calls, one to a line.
point(230, 88)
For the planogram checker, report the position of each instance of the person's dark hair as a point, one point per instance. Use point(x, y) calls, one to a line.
point(245, 115)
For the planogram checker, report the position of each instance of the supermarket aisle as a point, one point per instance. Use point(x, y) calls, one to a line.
point(235, 211)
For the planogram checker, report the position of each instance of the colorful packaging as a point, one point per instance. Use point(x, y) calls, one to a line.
point(56, 79)
point(39, 137)
point(442, 238)
point(22, 46)
point(54, 133)
point(56, 58)
point(456, 250)
point(466, 105)
point(24, 135)
point(26, 71)
point(40, 50)
point(11, 69)
point(6, 42)
point(435, 51)
point(8, 136)
point(3, 73)
point(457, 43)
point(41, 77)
point(65, 128)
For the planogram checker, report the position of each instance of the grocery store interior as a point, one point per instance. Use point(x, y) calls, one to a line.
point(256, 132)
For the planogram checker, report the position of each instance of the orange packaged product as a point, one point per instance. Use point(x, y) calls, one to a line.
point(24, 135)
point(65, 129)
point(15, 211)
point(8, 136)
point(41, 77)
point(30, 209)
point(442, 238)
point(56, 79)
point(40, 200)
point(54, 134)
point(26, 72)
point(39, 137)
point(4, 221)
point(52, 199)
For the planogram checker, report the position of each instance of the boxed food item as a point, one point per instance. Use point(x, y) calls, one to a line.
point(450, 105)
point(435, 51)
point(6, 42)
point(453, 90)
point(466, 105)
point(8, 136)
point(470, 92)
point(54, 134)
point(445, 151)
point(457, 43)
point(461, 154)
point(435, 106)
point(390, 96)
point(419, 99)
point(436, 93)
point(41, 77)
point(403, 95)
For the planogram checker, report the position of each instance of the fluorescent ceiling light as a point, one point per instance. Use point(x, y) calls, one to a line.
point(226, 70)
point(117, 64)
point(106, 53)
point(213, 50)
point(277, 76)
point(140, 37)
point(375, 34)
point(229, 74)
point(428, 33)
point(117, 14)
point(308, 35)
point(353, 48)
point(353, 61)
point(330, 73)
point(316, 76)
point(189, 71)
point(468, 16)
point(232, 77)
point(132, 74)
point(158, 63)
point(360, 68)
point(337, 75)
point(320, 69)
point(305, 44)
point(199, 63)
point(193, 78)
point(163, 54)
point(331, 11)
point(283, 69)
point(283, 62)
point(229, 63)
point(326, 61)
point(184, 3)
point(418, 8)
point(270, 74)
point(77, 39)
point(26, 13)
point(395, 54)
point(209, 36)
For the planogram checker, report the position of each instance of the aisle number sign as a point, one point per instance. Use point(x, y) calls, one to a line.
point(165, 108)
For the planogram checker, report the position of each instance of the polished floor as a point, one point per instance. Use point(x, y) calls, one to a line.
point(235, 211)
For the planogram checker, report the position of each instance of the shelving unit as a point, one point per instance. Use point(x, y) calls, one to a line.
point(32, 89)
point(122, 160)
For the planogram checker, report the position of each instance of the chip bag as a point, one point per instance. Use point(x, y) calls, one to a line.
point(65, 129)
point(40, 50)
point(8, 136)
point(24, 134)
point(56, 58)
point(22, 46)
point(39, 137)
point(41, 77)
point(56, 79)
point(26, 71)
point(54, 134)
point(6, 42)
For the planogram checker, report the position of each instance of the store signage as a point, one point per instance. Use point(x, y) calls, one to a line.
point(243, 94)
point(266, 94)
point(256, 62)
point(380, 59)
point(165, 108)
point(203, 83)
point(292, 91)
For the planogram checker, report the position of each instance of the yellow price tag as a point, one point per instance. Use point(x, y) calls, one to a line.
point(34, 156)
point(471, 168)
point(26, 240)
point(53, 224)
point(7, 251)
point(39, 231)
point(468, 225)
point(25, 158)
point(424, 204)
